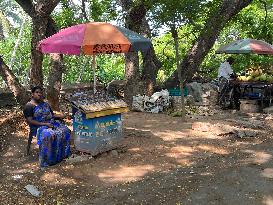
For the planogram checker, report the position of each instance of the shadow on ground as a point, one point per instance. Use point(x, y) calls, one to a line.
point(164, 162)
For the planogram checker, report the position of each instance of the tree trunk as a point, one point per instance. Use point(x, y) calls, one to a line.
point(44, 26)
point(12, 82)
point(56, 71)
point(55, 81)
point(180, 78)
point(151, 64)
point(38, 33)
point(206, 40)
point(149, 72)
point(1, 32)
point(135, 21)
point(132, 77)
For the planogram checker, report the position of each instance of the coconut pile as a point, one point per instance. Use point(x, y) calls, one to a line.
point(257, 74)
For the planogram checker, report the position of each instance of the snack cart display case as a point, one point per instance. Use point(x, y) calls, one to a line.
point(97, 121)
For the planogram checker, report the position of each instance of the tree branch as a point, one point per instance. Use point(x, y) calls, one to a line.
point(27, 6)
point(13, 83)
point(126, 4)
point(83, 8)
point(45, 7)
point(266, 14)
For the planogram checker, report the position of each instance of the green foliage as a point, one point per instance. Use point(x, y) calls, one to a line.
point(188, 15)
point(188, 18)
point(68, 15)
point(102, 10)
point(250, 23)
point(164, 47)
point(65, 19)
point(11, 9)
point(110, 67)
point(4, 23)
point(79, 68)
point(96, 10)
point(22, 58)
point(180, 13)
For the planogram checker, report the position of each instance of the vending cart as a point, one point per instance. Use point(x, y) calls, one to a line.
point(97, 121)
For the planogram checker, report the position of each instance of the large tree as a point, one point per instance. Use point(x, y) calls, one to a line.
point(40, 14)
point(133, 20)
point(173, 15)
point(137, 81)
point(213, 26)
point(43, 26)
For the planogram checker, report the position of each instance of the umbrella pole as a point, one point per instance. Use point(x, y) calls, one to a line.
point(94, 73)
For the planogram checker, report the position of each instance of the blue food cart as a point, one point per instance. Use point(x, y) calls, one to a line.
point(97, 127)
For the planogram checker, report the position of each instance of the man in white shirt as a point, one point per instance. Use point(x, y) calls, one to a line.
point(227, 96)
point(225, 69)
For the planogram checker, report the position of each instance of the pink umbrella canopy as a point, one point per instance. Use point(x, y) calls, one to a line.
point(94, 38)
point(247, 46)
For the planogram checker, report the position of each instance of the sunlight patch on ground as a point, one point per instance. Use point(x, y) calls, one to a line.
point(34, 166)
point(135, 129)
point(135, 149)
point(124, 173)
point(185, 162)
point(9, 153)
point(180, 152)
point(258, 157)
point(22, 134)
point(206, 174)
point(21, 171)
point(262, 157)
point(153, 121)
point(268, 173)
point(204, 135)
point(147, 126)
point(170, 136)
point(55, 178)
point(212, 149)
point(268, 200)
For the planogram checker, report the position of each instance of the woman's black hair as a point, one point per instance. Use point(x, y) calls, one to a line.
point(36, 88)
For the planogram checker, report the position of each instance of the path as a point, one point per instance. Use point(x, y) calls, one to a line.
point(164, 161)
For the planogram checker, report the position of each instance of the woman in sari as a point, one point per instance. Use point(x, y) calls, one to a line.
point(52, 136)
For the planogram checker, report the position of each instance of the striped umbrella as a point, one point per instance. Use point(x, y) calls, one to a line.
point(247, 46)
point(94, 38)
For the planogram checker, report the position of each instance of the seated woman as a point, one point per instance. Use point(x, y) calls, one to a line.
point(52, 136)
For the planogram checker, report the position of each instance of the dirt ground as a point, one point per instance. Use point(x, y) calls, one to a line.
point(162, 161)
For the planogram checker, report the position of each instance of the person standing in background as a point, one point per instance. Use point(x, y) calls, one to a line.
point(225, 69)
point(228, 93)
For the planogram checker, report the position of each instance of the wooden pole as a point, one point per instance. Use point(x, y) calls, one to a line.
point(94, 73)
